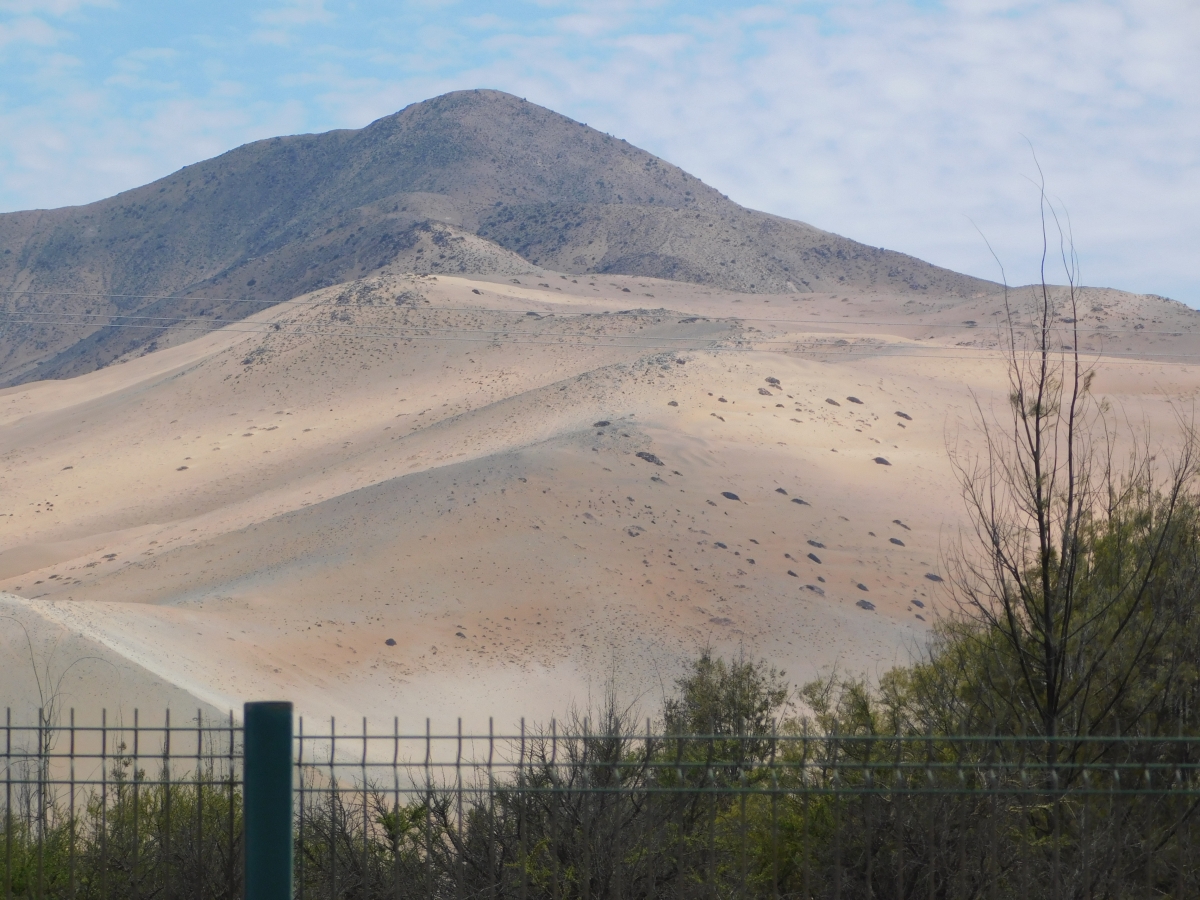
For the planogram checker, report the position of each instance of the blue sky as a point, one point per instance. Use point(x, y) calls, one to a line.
point(896, 123)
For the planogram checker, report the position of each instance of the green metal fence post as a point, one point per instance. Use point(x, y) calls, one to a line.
point(268, 799)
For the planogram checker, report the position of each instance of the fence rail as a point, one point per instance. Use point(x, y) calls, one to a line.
point(138, 810)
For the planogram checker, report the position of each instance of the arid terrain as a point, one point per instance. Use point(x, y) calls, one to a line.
point(444, 496)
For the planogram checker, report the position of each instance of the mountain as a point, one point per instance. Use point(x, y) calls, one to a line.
point(477, 182)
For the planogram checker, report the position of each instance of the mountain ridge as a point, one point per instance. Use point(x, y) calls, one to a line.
point(279, 217)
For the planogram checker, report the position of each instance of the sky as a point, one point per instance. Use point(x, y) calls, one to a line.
point(916, 125)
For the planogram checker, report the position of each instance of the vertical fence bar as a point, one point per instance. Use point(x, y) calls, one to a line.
point(165, 789)
point(267, 793)
point(366, 824)
point(460, 863)
point(8, 822)
point(200, 879)
point(523, 801)
point(230, 876)
point(104, 804)
point(300, 800)
point(395, 804)
point(428, 810)
point(774, 811)
point(333, 804)
point(43, 762)
point(71, 825)
point(133, 869)
point(555, 888)
point(491, 813)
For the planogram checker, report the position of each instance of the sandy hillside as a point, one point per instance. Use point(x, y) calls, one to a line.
point(523, 485)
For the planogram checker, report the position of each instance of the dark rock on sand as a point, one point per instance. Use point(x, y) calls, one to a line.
point(904, 415)
point(649, 457)
point(814, 558)
point(862, 587)
point(781, 491)
point(730, 495)
point(896, 541)
point(881, 461)
point(933, 577)
point(854, 400)
point(603, 423)
point(866, 604)
point(391, 642)
point(816, 544)
point(801, 502)
point(832, 402)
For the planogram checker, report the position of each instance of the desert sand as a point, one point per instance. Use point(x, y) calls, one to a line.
point(448, 497)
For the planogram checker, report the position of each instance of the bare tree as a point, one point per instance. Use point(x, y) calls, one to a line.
point(1081, 560)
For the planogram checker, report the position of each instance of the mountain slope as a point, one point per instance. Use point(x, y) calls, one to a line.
point(279, 217)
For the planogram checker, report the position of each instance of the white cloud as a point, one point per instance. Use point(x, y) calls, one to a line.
point(28, 30)
point(297, 12)
point(50, 7)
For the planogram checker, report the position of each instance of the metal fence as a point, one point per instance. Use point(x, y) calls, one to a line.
point(138, 810)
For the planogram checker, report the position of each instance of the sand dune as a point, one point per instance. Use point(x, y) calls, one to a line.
point(445, 496)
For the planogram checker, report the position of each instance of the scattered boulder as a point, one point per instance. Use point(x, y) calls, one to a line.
point(765, 392)
point(730, 495)
point(865, 604)
point(854, 400)
point(773, 381)
point(476, 291)
point(672, 403)
point(181, 469)
point(634, 530)
point(801, 502)
point(933, 577)
point(721, 620)
point(832, 402)
point(815, 558)
point(649, 457)
point(879, 460)
point(391, 642)
point(603, 423)
point(901, 524)
point(793, 574)
point(719, 544)
point(459, 634)
point(781, 491)
point(722, 400)
point(918, 604)
point(896, 541)
point(817, 544)
point(816, 590)
point(904, 415)
point(862, 587)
